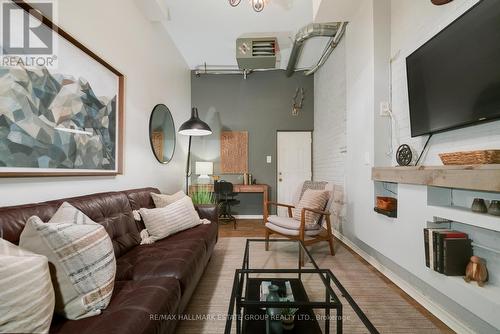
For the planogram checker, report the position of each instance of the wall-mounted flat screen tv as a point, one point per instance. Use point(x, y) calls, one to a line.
point(454, 79)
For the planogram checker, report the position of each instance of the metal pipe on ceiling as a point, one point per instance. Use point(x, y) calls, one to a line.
point(333, 30)
point(222, 70)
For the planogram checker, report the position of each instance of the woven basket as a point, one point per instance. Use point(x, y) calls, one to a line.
point(484, 157)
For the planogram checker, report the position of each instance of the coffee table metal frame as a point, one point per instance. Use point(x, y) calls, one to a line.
point(332, 301)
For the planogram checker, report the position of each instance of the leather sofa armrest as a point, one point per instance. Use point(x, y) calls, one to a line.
point(208, 211)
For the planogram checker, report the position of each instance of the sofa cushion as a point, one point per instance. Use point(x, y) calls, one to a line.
point(174, 218)
point(162, 200)
point(81, 254)
point(111, 210)
point(141, 198)
point(165, 258)
point(204, 233)
point(135, 308)
point(26, 294)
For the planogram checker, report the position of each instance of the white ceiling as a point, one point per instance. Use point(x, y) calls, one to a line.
point(205, 31)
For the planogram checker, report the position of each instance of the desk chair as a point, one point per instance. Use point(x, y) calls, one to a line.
point(224, 194)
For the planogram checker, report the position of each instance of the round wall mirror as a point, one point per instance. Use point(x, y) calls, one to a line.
point(162, 133)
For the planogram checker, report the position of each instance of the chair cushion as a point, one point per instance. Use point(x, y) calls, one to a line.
point(313, 199)
point(290, 223)
point(134, 309)
point(287, 231)
point(166, 258)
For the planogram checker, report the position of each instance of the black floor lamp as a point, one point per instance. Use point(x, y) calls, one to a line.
point(193, 127)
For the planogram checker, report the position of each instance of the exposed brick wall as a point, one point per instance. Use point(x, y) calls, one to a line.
point(329, 139)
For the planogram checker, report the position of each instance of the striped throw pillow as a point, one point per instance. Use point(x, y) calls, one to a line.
point(162, 200)
point(176, 217)
point(312, 199)
point(26, 294)
point(82, 255)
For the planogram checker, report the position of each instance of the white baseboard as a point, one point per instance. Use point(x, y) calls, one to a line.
point(248, 216)
point(436, 309)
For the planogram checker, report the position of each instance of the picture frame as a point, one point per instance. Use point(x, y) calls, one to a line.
point(78, 130)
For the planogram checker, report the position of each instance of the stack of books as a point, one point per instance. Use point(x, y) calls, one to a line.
point(447, 251)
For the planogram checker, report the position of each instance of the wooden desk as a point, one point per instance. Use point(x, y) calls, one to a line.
point(240, 188)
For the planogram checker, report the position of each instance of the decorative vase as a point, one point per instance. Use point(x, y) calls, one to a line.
point(494, 208)
point(288, 322)
point(273, 319)
point(478, 205)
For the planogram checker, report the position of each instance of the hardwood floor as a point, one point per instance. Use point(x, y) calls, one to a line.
point(251, 228)
point(246, 228)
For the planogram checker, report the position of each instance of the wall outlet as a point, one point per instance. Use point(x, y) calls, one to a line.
point(385, 108)
point(269, 159)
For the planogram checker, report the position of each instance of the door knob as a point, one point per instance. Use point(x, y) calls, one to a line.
point(281, 179)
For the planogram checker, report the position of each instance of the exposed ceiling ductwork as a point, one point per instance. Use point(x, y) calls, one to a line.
point(333, 30)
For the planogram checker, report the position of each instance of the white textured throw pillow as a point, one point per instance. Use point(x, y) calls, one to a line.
point(176, 217)
point(162, 200)
point(26, 294)
point(82, 254)
point(312, 199)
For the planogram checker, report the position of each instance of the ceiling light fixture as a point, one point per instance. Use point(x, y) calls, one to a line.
point(257, 5)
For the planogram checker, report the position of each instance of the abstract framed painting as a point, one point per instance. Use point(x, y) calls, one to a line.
point(61, 108)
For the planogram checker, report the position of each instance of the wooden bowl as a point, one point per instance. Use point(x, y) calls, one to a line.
point(387, 203)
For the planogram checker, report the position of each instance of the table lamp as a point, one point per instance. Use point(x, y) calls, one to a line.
point(204, 169)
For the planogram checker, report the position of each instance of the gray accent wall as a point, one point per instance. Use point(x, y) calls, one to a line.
point(261, 105)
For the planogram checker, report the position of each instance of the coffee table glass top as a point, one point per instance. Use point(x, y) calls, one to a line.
point(314, 293)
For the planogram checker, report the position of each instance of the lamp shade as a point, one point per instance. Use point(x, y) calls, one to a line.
point(204, 168)
point(195, 126)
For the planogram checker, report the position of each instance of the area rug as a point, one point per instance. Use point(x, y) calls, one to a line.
point(384, 305)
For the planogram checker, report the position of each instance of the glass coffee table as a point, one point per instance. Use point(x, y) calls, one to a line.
point(309, 293)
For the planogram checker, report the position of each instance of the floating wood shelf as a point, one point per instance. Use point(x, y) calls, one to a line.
point(473, 177)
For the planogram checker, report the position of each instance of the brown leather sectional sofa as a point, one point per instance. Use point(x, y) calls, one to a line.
point(154, 283)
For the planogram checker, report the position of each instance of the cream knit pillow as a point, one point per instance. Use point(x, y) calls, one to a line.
point(82, 254)
point(312, 199)
point(176, 217)
point(26, 294)
point(162, 200)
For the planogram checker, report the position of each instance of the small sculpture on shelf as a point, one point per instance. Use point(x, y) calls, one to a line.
point(476, 271)
point(404, 155)
point(479, 205)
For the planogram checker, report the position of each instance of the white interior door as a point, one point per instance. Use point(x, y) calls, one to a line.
point(294, 164)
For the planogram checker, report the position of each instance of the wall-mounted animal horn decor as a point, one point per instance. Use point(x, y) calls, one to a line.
point(298, 101)
point(440, 2)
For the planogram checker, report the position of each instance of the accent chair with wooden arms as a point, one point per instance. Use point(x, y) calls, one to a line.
point(296, 229)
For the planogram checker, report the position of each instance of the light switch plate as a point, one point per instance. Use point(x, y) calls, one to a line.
point(269, 159)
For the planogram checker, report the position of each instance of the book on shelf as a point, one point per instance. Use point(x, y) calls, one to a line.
point(456, 254)
point(429, 247)
point(446, 250)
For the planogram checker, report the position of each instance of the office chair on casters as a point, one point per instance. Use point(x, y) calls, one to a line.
point(225, 198)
